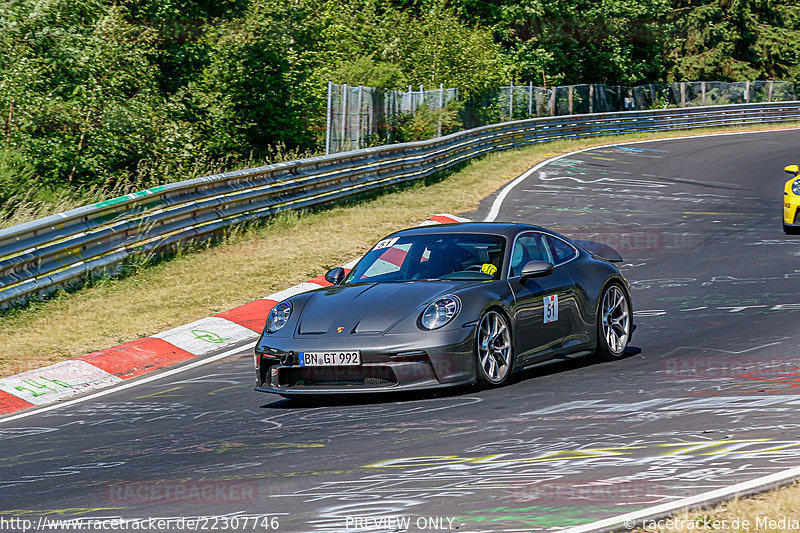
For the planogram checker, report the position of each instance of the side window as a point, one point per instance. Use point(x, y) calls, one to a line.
point(562, 252)
point(528, 247)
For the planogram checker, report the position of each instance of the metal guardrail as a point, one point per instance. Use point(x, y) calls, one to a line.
point(63, 249)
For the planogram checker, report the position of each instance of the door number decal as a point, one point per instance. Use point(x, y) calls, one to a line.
point(385, 243)
point(550, 308)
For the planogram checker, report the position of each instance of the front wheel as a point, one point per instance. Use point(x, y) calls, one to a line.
point(494, 351)
point(613, 323)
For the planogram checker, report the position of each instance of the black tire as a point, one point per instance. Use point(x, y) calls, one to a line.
point(791, 230)
point(494, 349)
point(614, 323)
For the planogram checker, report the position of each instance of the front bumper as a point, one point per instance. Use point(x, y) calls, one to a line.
point(388, 363)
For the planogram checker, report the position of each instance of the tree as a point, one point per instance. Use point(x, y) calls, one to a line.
point(265, 82)
point(584, 41)
point(428, 43)
point(735, 40)
point(180, 50)
point(78, 90)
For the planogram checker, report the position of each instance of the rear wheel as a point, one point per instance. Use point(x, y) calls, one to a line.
point(613, 323)
point(494, 352)
point(790, 230)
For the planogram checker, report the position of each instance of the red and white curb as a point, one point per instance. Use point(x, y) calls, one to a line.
point(202, 338)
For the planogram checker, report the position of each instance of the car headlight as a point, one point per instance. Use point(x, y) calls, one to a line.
point(796, 187)
point(279, 316)
point(440, 312)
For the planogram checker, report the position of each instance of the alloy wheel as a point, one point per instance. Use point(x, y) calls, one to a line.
point(494, 347)
point(615, 320)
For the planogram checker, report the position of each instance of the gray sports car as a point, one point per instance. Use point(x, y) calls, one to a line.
point(446, 305)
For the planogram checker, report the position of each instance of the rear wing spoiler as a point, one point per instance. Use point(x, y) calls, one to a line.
point(600, 250)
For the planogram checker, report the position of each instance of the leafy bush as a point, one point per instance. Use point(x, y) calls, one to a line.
point(427, 121)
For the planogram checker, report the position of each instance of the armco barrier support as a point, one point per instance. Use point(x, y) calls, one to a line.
point(63, 249)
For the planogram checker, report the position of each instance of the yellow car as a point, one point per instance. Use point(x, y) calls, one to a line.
point(791, 201)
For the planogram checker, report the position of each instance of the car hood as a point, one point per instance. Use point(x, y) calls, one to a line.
point(367, 308)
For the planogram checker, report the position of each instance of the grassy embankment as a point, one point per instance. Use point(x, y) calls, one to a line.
point(251, 263)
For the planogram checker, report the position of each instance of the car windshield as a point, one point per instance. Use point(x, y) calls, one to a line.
point(436, 256)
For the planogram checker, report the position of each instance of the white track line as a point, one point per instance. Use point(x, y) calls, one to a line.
point(632, 519)
point(128, 385)
point(498, 202)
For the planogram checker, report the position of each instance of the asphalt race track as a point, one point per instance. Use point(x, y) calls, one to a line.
point(706, 397)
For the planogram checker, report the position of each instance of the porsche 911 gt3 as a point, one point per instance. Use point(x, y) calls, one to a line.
point(446, 305)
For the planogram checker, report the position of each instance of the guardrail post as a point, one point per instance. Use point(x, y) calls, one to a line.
point(747, 92)
point(369, 113)
point(328, 119)
point(703, 89)
point(553, 102)
point(360, 101)
point(511, 101)
point(683, 94)
point(393, 111)
point(569, 97)
point(441, 110)
point(344, 118)
point(591, 98)
point(769, 90)
point(398, 106)
point(530, 98)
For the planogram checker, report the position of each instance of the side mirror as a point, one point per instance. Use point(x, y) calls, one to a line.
point(335, 275)
point(536, 268)
point(792, 169)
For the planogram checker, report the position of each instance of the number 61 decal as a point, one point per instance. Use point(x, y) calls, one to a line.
point(550, 308)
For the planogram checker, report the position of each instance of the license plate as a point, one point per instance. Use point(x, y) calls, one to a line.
point(352, 358)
